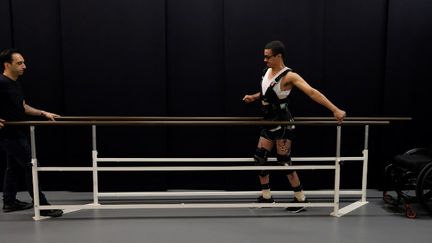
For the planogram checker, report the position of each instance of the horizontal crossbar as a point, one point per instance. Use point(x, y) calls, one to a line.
point(224, 160)
point(219, 193)
point(189, 168)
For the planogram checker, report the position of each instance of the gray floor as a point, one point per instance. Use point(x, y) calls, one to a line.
point(374, 222)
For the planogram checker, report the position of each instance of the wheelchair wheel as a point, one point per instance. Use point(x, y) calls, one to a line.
point(389, 174)
point(388, 180)
point(405, 186)
point(389, 199)
point(424, 187)
point(410, 212)
point(402, 181)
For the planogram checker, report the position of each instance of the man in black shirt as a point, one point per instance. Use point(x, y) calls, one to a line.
point(14, 139)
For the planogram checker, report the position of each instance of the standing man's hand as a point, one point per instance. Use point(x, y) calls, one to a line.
point(50, 116)
point(2, 123)
point(339, 115)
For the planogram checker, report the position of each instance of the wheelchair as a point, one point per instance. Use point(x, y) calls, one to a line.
point(410, 176)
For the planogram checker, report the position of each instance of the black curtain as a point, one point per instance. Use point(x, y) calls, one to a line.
point(199, 58)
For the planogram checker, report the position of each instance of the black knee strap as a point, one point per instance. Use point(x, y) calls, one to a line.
point(285, 160)
point(298, 188)
point(265, 186)
point(264, 173)
point(260, 157)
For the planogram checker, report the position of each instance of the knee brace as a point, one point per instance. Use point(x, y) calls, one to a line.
point(299, 188)
point(260, 157)
point(285, 160)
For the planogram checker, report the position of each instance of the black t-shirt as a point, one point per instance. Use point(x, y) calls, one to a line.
point(11, 106)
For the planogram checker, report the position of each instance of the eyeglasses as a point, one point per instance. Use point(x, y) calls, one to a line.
point(268, 57)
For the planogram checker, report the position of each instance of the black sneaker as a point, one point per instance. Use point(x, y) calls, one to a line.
point(261, 199)
point(51, 212)
point(16, 206)
point(23, 203)
point(297, 209)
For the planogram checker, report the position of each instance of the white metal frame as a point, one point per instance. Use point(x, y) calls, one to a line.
point(95, 168)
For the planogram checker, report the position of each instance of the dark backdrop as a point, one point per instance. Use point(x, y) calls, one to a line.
point(199, 58)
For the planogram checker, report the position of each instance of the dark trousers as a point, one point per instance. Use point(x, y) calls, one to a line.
point(18, 154)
